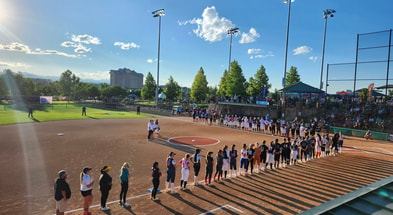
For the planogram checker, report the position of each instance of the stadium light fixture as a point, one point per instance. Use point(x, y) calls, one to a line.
point(286, 51)
point(326, 14)
point(231, 32)
point(158, 13)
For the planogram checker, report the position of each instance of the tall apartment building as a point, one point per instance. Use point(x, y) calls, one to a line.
point(126, 78)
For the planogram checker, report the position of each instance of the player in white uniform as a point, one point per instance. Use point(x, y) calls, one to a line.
point(185, 171)
point(225, 165)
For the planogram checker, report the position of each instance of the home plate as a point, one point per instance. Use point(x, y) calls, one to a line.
point(60, 134)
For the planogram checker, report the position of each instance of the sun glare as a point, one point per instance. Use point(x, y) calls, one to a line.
point(5, 11)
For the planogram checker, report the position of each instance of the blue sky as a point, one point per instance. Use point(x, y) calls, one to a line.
point(47, 37)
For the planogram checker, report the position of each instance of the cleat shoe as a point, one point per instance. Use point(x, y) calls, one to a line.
point(105, 208)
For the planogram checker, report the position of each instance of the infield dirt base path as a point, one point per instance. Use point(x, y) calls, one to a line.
point(33, 153)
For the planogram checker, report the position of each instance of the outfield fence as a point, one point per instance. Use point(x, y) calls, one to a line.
point(361, 133)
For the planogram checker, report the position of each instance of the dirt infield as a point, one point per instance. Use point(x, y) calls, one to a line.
point(33, 153)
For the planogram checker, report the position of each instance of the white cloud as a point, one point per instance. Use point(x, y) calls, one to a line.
point(94, 75)
point(87, 39)
point(14, 64)
point(150, 60)
point(265, 55)
point(126, 46)
point(254, 51)
point(302, 50)
point(313, 58)
point(78, 41)
point(249, 37)
point(19, 47)
point(68, 44)
point(81, 49)
point(210, 27)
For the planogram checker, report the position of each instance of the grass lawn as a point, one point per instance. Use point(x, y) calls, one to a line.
point(71, 112)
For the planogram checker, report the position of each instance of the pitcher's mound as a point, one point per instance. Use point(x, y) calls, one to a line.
point(193, 140)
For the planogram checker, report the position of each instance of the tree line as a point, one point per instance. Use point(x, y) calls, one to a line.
point(14, 85)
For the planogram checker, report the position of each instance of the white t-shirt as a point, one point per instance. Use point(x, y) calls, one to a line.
point(243, 154)
point(86, 180)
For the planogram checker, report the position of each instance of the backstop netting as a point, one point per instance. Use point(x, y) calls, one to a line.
point(373, 64)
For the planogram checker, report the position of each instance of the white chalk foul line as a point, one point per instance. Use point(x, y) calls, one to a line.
point(116, 201)
point(220, 208)
point(108, 203)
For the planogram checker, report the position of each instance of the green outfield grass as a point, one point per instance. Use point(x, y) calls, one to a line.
point(60, 112)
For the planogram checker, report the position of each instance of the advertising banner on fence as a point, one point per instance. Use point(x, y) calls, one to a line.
point(46, 99)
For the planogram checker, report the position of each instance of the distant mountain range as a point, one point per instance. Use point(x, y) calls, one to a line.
point(56, 78)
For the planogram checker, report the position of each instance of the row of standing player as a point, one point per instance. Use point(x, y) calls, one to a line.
point(265, 124)
point(256, 155)
point(63, 192)
point(253, 158)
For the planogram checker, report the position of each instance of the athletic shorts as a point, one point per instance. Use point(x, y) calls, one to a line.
point(86, 193)
point(61, 205)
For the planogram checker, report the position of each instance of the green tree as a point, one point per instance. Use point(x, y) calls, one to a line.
point(364, 95)
point(50, 89)
point(257, 83)
point(236, 81)
point(79, 90)
point(19, 88)
point(213, 93)
point(113, 92)
point(92, 91)
point(148, 89)
point(223, 86)
point(292, 77)
point(68, 83)
point(275, 95)
point(185, 93)
point(172, 89)
point(199, 89)
point(3, 87)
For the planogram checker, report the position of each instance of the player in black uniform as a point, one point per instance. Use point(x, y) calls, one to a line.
point(219, 163)
point(303, 153)
point(232, 162)
point(263, 156)
point(250, 154)
point(286, 151)
point(277, 154)
point(209, 168)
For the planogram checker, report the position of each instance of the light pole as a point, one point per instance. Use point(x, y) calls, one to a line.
point(286, 44)
point(231, 32)
point(158, 13)
point(326, 14)
point(286, 55)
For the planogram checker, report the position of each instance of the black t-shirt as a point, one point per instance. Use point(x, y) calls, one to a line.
point(220, 161)
point(286, 146)
point(303, 144)
point(209, 162)
point(105, 181)
point(155, 173)
point(61, 185)
point(233, 154)
point(264, 149)
point(277, 148)
point(250, 153)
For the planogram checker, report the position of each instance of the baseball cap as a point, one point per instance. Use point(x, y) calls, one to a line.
point(86, 169)
point(172, 153)
point(106, 168)
point(62, 173)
